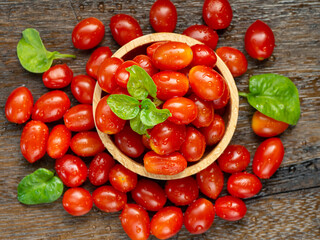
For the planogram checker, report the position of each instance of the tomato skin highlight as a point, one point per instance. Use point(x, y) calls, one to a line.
point(99, 168)
point(230, 208)
point(58, 141)
point(163, 16)
point(122, 178)
point(96, 59)
point(215, 131)
point(203, 34)
point(235, 158)
point(203, 55)
point(77, 201)
point(243, 185)
point(122, 75)
point(82, 88)
point(79, 118)
point(205, 111)
point(146, 63)
point(217, 13)
point(194, 146)
point(108, 199)
point(86, 144)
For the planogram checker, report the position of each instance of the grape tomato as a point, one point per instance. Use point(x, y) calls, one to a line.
point(58, 141)
point(82, 88)
point(203, 34)
point(58, 76)
point(99, 168)
point(96, 59)
point(163, 16)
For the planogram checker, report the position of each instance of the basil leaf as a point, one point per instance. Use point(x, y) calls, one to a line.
point(150, 115)
point(125, 107)
point(32, 54)
point(137, 126)
point(275, 96)
point(40, 186)
point(140, 84)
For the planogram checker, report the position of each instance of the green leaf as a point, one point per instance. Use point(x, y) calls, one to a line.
point(40, 186)
point(140, 84)
point(125, 107)
point(32, 54)
point(137, 126)
point(150, 115)
point(275, 96)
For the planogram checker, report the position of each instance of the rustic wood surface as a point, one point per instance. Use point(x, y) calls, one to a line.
point(288, 205)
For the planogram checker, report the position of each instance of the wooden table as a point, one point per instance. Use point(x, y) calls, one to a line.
point(288, 205)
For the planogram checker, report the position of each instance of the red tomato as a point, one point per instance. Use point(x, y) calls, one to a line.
point(203, 55)
point(99, 168)
point(149, 195)
point(167, 222)
point(135, 222)
point(146, 63)
point(205, 111)
point(71, 170)
point(194, 146)
point(163, 16)
point(122, 178)
point(146, 141)
point(79, 118)
point(183, 110)
point(86, 144)
point(167, 137)
point(95, 60)
point(182, 191)
point(77, 201)
point(106, 120)
point(243, 185)
point(210, 181)
point(51, 106)
point(82, 88)
point(268, 158)
point(206, 83)
point(88, 33)
point(58, 141)
point(124, 28)
point(230, 208)
point(169, 164)
point(108, 199)
point(153, 47)
point(33, 142)
point(203, 34)
point(199, 216)
point(18, 106)
point(129, 142)
point(217, 13)
point(265, 126)
point(215, 131)
point(172, 56)
point(235, 158)
point(170, 84)
point(259, 40)
point(234, 59)
point(106, 74)
point(122, 75)
point(223, 100)
point(58, 76)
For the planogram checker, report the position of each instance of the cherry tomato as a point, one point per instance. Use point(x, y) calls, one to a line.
point(265, 126)
point(71, 170)
point(86, 144)
point(88, 33)
point(203, 55)
point(206, 83)
point(259, 40)
point(194, 146)
point(172, 56)
point(234, 59)
point(149, 195)
point(217, 13)
point(120, 90)
point(243, 185)
point(122, 75)
point(124, 28)
point(205, 111)
point(33, 142)
point(167, 137)
point(146, 141)
point(51, 106)
point(215, 131)
point(199, 216)
point(58, 141)
point(99, 168)
point(135, 222)
point(122, 178)
point(82, 88)
point(106, 74)
point(95, 60)
point(167, 222)
point(129, 142)
point(18, 106)
point(268, 158)
point(210, 181)
point(203, 34)
point(106, 120)
point(146, 63)
point(58, 76)
point(169, 164)
point(79, 118)
point(230, 208)
point(77, 201)
point(182, 191)
point(170, 84)
point(108, 199)
point(235, 158)
point(183, 110)
point(223, 100)
point(163, 16)
point(153, 47)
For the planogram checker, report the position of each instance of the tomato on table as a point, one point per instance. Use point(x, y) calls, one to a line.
point(203, 34)
point(122, 75)
point(145, 62)
point(205, 111)
point(77, 201)
point(79, 118)
point(230, 208)
point(82, 88)
point(215, 131)
point(108, 199)
point(86, 144)
point(122, 178)
point(235, 158)
point(99, 168)
point(58, 141)
point(203, 55)
point(106, 74)
point(194, 146)
point(58, 76)
point(96, 59)
point(243, 185)
point(217, 13)
point(163, 16)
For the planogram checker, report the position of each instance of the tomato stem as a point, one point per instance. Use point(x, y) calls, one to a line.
point(64, 56)
point(243, 94)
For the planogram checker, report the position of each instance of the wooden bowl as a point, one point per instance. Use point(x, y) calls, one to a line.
point(231, 115)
